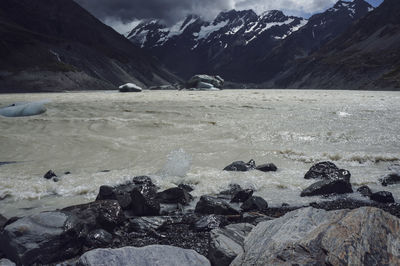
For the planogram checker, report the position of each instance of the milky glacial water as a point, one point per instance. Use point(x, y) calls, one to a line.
point(189, 137)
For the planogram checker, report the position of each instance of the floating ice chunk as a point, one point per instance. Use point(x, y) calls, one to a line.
point(130, 87)
point(24, 109)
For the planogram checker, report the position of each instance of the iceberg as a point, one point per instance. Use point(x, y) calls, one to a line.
point(24, 109)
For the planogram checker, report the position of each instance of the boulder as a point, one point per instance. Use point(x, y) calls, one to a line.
point(226, 243)
point(209, 222)
point(242, 195)
point(364, 191)
point(6, 262)
point(174, 195)
point(240, 166)
point(382, 196)
point(3, 221)
point(186, 187)
point(41, 238)
point(254, 203)
point(130, 87)
point(146, 224)
point(98, 238)
point(104, 214)
point(49, 175)
point(137, 197)
point(327, 187)
point(327, 171)
point(155, 255)
point(308, 236)
point(199, 80)
point(232, 190)
point(390, 179)
point(212, 205)
point(269, 167)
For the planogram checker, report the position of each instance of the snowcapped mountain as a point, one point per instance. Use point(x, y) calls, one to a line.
point(241, 45)
point(194, 45)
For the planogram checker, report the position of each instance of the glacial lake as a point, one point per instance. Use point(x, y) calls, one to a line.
point(189, 137)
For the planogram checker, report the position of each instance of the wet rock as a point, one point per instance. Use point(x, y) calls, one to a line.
point(255, 218)
point(254, 203)
point(327, 171)
point(104, 214)
point(155, 255)
point(174, 195)
point(365, 191)
point(242, 195)
point(146, 224)
point(6, 262)
point(269, 167)
point(308, 236)
point(3, 221)
point(41, 238)
point(50, 174)
point(186, 187)
point(383, 197)
point(212, 205)
point(226, 243)
point(327, 187)
point(98, 238)
point(240, 166)
point(232, 190)
point(209, 222)
point(137, 197)
point(67, 173)
point(390, 179)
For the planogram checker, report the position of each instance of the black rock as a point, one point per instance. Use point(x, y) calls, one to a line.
point(242, 196)
point(144, 203)
point(145, 224)
point(365, 191)
point(141, 180)
point(209, 222)
point(98, 238)
point(174, 195)
point(327, 187)
point(185, 187)
point(233, 189)
point(67, 173)
point(255, 217)
point(212, 205)
point(327, 171)
point(50, 174)
point(241, 166)
point(383, 197)
point(3, 221)
point(390, 179)
point(110, 215)
point(254, 203)
point(269, 167)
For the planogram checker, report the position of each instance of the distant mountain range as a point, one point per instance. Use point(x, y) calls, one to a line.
point(48, 45)
point(241, 46)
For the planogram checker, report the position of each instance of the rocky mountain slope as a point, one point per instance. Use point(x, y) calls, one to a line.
point(195, 46)
point(241, 46)
point(366, 56)
point(56, 45)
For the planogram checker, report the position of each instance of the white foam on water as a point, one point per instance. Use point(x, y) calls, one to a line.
point(178, 164)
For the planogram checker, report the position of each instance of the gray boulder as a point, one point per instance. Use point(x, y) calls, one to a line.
point(6, 262)
point(308, 236)
point(41, 238)
point(154, 255)
point(226, 243)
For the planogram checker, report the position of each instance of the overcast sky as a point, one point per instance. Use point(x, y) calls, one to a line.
point(123, 14)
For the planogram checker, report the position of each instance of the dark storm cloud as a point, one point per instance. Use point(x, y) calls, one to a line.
point(168, 10)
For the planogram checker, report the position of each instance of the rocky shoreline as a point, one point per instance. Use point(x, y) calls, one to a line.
point(218, 231)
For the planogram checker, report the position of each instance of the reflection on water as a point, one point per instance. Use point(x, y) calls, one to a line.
point(191, 136)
